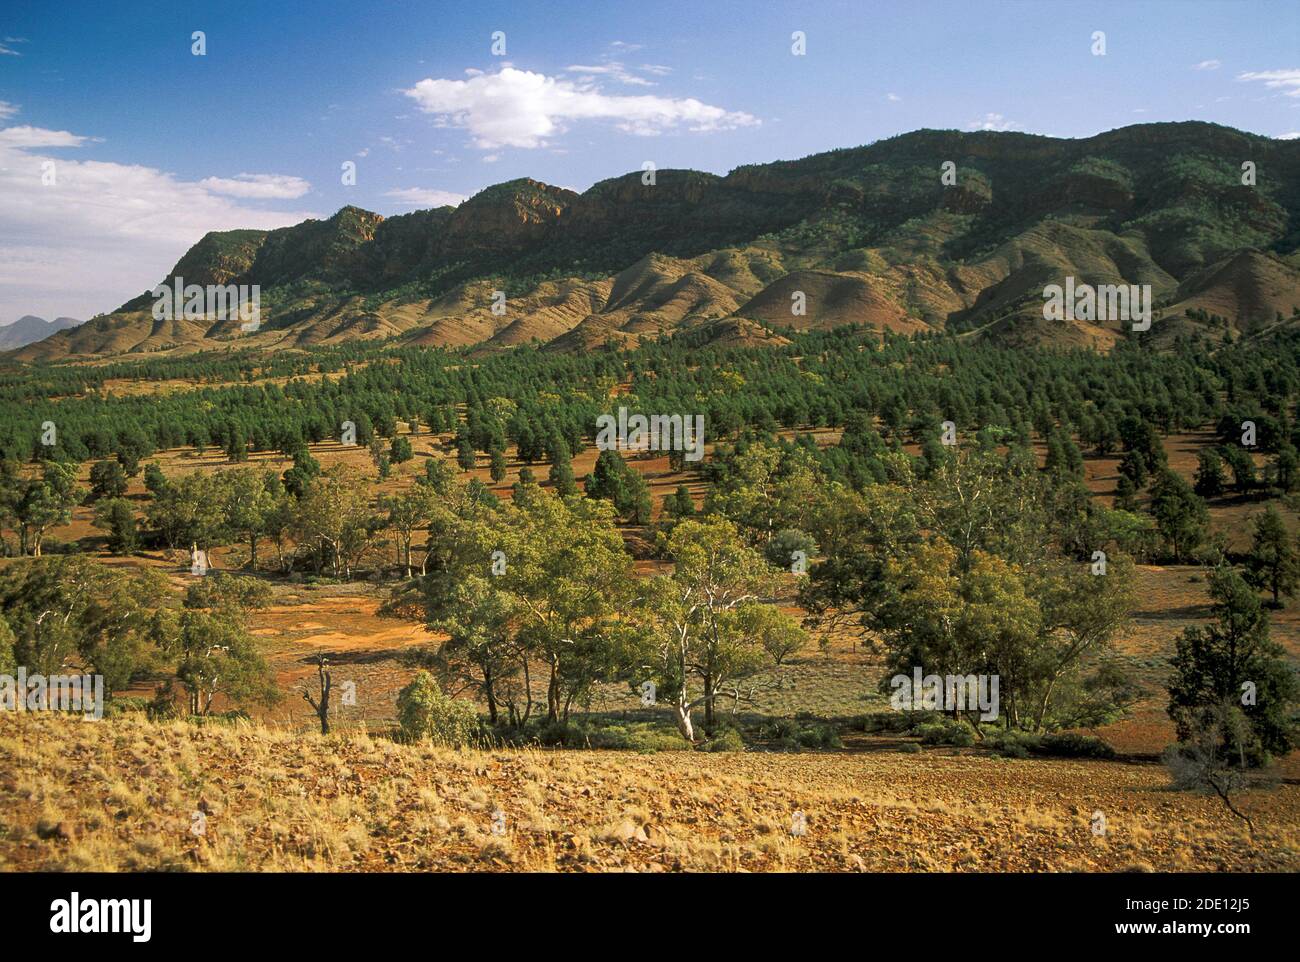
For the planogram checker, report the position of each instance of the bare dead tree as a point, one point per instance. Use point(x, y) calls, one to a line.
point(321, 707)
point(1213, 758)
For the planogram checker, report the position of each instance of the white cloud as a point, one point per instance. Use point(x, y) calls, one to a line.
point(520, 108)
point(612, 69)
point(24, 138)
point(102, 232)
point(893, 98)
point(993, 122)
point(1288, 81)
point(425, 197)
point(1208, 65)
point(1291, 135)
point(258, 186)
point(7, 109)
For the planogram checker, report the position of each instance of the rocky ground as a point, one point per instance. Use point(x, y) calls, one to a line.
point(126, 794)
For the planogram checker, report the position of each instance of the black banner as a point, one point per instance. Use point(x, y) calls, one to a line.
point(336, 911)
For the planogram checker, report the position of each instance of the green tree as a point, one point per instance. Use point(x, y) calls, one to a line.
point(1286, 468)
point(615, 481)
point(107, 480)
point(1273, 563)
point(190, 511)
point(709, 622)
point(236, 445)
point(679, 504)
point(1181, 517)
point(73, 614)
point(482, 647)
point(304, 469)
point(1125, 494)
point(1210, 481)
point(1134, 467)
point(407, 512)
point(334, 517)
point(1234, 661)
point(215, 654)
point(45, 502)
point(154, 479)
point(1242, 466)
point(247, 499)
point(561, 472)
point(116, 516)
point(399, 450)
point(465, 453)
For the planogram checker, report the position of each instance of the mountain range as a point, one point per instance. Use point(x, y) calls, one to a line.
point(29, 328)
point(1209, 216)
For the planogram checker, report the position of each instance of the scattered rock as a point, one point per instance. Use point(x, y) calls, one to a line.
point(61, 831)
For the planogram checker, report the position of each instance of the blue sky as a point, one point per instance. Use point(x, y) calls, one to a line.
point(152, 146)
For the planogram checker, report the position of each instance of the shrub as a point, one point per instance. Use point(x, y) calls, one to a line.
point(1074, 745)
point(425, 712)
point(649, 739)
point(644, 737)
point(780, 729)
point(1014, 744)
point(890, 721)
point(1018, 744)
point(789, 735)
point(820, 736)
point(121, 706)
point(724, 740)
point(946, 732)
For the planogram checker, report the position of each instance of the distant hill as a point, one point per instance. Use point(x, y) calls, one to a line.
point(29, 329)
point(866, 235)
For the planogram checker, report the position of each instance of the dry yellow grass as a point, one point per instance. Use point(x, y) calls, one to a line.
point(128, 795)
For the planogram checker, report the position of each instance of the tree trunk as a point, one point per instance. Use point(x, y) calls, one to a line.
point(1042, 706)
point(553, 692)
point(489, 686)
point(528, 692)
point(322, 707)
point(682, 715)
